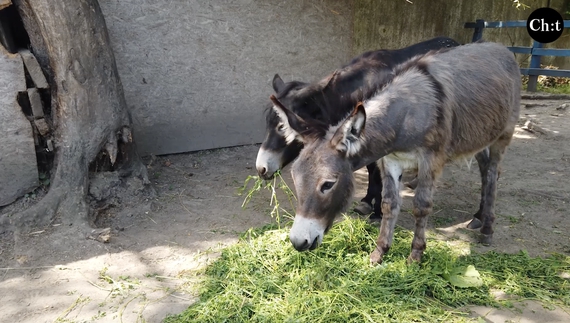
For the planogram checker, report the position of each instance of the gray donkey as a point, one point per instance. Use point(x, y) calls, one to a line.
point(441, 106)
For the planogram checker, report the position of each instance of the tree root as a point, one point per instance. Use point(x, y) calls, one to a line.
point(59, 203)
point(66, 199)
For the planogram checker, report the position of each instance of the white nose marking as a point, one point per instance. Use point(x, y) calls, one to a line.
point(305, 232)
point(267, 162)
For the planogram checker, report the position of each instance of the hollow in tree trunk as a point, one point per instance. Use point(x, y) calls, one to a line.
point(89, 112)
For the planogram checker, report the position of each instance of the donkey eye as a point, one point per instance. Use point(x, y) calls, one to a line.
point(326, 186)
point(280, 127)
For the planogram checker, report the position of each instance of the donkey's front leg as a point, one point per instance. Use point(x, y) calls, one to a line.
point(374, 191)
point(428, 170)
point(391, 172)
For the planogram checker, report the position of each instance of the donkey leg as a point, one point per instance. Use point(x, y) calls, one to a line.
point(391, 173)
point(496, 152)
point(428, 170)
point(412, 184)
point(483, 162)
point(376, 181)
point(372, 192)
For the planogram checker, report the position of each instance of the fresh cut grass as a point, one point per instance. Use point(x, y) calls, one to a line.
point(263, 279)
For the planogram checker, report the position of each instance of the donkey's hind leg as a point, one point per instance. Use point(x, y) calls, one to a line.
point(373, 192)
point(391, 172)
point(483, 162)
point(496, 152)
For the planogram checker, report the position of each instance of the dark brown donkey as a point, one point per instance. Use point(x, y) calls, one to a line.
point(439, 107)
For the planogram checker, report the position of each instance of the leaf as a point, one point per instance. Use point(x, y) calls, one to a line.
point(464, 277)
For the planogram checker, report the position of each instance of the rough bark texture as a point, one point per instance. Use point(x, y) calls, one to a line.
point(88, 106)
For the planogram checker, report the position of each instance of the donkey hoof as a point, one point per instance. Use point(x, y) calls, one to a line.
point(415, 256)
point(375, 257)
point(375, 217)
point(363, 208)
point(486, 239)
point(474, 224)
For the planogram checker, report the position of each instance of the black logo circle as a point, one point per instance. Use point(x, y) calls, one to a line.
point(545, 25)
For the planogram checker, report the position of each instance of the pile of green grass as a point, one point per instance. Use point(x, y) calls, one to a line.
point(263, 279)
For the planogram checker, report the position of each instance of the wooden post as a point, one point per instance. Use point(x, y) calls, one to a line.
point(534, 63)
point(478, 31)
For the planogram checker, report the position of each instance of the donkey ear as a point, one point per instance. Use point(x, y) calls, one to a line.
point(329, 80)
point(292, 124)
point(278, 83)
point(348, 137)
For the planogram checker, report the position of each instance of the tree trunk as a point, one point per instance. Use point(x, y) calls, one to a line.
point(89, 111)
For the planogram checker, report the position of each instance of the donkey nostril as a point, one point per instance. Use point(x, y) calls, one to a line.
point(262, 170)
point(301, 246)
point(314, 244)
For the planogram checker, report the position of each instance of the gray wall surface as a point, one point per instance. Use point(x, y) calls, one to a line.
point(197, 74)
point(18, 167)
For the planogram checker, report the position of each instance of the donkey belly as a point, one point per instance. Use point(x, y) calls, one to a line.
point(397, 162)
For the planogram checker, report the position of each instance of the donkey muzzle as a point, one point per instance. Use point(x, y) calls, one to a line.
point(267, 163)
point(305, 245)
point(306, 233)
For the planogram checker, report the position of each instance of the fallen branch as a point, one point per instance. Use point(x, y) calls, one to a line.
point(532, 127)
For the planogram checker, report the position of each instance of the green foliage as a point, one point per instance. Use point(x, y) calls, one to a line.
point(263, 279)
point(275, 185)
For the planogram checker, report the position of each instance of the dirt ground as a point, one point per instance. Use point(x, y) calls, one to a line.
point(51, 275)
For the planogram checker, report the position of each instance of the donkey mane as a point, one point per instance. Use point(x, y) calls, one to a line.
point(417, 63)
point(352, 84)
point(410, 63)
point(333, 106)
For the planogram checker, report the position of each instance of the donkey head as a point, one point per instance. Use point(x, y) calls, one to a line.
point(281, 147)
point(277, 150)
point(323, 173)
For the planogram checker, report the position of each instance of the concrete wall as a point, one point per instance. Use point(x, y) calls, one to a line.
point(197, 74)
point(398, 23)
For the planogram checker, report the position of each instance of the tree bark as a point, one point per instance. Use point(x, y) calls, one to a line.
point(89, 112)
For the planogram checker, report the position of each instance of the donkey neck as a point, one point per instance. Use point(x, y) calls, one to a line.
point(399, 116)
point(351, 84)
